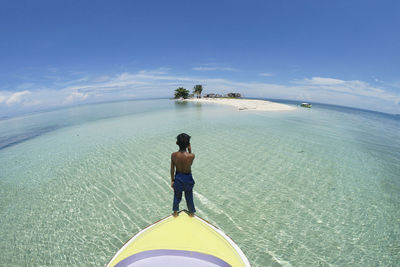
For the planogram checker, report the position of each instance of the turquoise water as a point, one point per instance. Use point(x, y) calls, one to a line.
point(316, 186)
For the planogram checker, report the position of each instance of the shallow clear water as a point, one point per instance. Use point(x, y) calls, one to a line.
point(313, 186)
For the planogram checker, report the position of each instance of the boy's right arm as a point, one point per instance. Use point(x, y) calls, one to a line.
point(190, 152)
point(172, 171)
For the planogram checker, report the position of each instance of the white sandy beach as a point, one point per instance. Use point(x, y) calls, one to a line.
point(246, 104)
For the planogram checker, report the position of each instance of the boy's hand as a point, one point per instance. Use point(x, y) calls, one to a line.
point(172, 185)
point(189, 148)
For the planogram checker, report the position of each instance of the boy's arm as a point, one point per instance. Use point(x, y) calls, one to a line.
point(190, 152)
point(172, 171)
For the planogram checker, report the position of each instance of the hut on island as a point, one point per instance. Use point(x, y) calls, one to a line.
point(234, 95)
point(230, 95)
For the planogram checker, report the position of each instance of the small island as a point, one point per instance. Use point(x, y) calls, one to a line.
point(306, 105)
point(230, 99)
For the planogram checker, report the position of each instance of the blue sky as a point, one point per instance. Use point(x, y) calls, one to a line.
point(60, 53)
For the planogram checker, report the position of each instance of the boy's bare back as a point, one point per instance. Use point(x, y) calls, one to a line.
point(181, 161)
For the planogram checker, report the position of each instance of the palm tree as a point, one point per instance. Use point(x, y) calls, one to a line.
point(181, 92)
point(197, 89)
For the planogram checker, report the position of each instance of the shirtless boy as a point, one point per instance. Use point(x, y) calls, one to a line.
point(181, 174)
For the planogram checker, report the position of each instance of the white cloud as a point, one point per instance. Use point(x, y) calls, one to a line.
point(101, 78)
point(75, 96)
point(162, 70)
point(353, 87)
point(202, 68)
point(16, 97)
point(3, 97)
point(266, 74)
point(323, 81)
point(395, 85)
point(33, 102)
point(213, 67)
point(75, 81)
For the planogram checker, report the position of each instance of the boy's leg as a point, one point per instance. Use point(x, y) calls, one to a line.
point(177, 196)
point(189, 201)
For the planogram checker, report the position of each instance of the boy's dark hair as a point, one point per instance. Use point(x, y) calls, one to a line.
point(183, 141)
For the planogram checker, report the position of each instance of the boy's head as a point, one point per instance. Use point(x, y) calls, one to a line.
point(183, 141)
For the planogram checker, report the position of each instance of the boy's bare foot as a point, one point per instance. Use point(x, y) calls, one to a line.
point(175, 214)
point(191, 214)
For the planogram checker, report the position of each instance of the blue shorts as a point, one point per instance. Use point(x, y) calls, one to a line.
point(183, 183)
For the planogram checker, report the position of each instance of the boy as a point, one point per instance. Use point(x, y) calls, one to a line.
point(181, 174)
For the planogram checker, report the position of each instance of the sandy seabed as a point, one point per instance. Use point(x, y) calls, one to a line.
point(246, 104)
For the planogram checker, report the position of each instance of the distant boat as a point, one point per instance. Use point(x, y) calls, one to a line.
point(180, 241)
point(306, 105)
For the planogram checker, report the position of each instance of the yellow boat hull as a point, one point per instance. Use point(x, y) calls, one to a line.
point(181, 241)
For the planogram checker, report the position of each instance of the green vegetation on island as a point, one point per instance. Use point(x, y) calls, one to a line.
point(197, 89)
point(182, 92)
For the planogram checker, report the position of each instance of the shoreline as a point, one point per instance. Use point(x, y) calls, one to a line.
point(245, 104)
